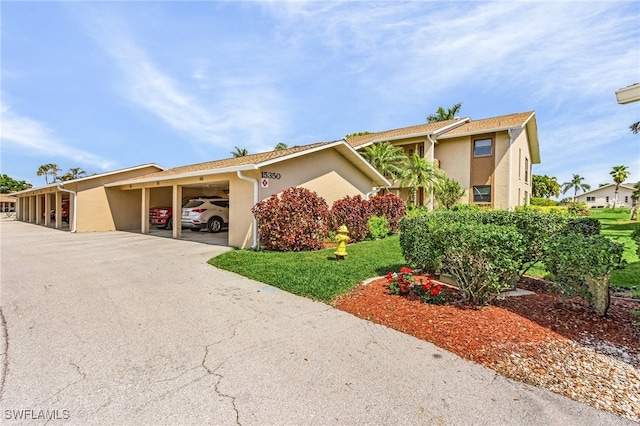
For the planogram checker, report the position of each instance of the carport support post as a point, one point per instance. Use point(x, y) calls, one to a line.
point(58, 209)
point(177, 211)
point(38, 209)
point(32, 209)
point(47, 210)
point(144, 217)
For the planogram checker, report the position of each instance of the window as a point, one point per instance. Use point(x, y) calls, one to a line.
point(482, 194)
point(482, 147)
point(519, 163)
point(626, 199)
point(591, 199)
point(526, 169)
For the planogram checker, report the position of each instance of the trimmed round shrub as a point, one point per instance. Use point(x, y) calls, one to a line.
point(297, 220)
point(582, 266)
point(354, 213)
point(389, 206)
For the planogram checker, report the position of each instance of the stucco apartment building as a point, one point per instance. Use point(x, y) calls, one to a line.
point(491, 158)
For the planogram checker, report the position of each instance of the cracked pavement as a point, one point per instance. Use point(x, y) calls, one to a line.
point(122, 328)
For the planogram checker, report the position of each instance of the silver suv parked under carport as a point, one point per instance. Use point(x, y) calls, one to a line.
point(204, 212)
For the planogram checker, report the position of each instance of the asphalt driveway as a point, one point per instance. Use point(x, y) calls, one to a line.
point(123, 328)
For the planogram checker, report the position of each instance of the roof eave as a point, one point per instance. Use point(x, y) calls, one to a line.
point(205, 172)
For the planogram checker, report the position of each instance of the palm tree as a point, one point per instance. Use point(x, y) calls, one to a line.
point(448, 193)
point(444, 115)
point(419, 173)
point(280, 146)
point(48, 169)
point(635, 196)
point(385, 158)
point(619, 174)
point(575, 184)
point(239, 152)
point(73, 173)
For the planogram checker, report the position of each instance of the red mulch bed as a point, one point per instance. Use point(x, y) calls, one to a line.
point(474, 333)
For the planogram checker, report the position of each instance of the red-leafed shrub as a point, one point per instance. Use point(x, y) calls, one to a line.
point(353, 212)
point(390, 207)
point(297, 221)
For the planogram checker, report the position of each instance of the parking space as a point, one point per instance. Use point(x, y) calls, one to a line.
point(204, 237)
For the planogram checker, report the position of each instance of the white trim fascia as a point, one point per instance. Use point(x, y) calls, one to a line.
point(416, 135)
point(297, 154)
point(230, 169)
point(491, 130)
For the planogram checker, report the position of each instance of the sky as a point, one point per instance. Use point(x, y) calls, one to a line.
point(110, 85)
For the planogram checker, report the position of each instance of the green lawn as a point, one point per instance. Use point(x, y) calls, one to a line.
point(617, 226)
point(316, 274)
point(320, 276)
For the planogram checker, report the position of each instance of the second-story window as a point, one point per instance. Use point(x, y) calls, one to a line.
point(482, 147)
point(526, 169)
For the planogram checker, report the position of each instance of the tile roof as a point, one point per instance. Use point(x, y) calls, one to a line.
point(404, 132)
point(489, 124)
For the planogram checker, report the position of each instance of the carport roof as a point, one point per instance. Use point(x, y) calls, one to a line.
point(95, 176)
point(255, 161)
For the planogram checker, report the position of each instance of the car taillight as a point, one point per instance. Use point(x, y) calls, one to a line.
point(199, 210)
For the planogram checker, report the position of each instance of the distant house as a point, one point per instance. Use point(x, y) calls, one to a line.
point(603, 196)
point(490, 158)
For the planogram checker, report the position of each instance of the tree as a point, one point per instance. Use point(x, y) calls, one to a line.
point(575, 184)
point(8, 184)
point(448, 193)
point(419, 173)
point(444, 115)
point(619, 174)
point(239, 152)
point(635, 196)
point(385, 158)
point(73, 173)
point(48, 169)
point(280, 146)
point(357, 134)
point(545, 186)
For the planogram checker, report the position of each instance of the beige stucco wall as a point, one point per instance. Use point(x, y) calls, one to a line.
point(519, 186)
point(455, 160)
point(326, 172)
point(501, 180)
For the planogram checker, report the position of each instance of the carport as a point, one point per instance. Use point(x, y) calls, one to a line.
point(84, 201)
point(331, 169)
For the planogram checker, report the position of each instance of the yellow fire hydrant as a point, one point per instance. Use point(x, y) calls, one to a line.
point(342, 238)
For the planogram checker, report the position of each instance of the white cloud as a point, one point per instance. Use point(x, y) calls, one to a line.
point(215, 111)
point(36, 138)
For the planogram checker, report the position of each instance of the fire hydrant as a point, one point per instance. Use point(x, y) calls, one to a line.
point(342, 238)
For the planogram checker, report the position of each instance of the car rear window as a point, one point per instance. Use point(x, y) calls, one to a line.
point(224, 204)
point(194, 203)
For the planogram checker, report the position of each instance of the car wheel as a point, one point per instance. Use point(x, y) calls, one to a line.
point(214, 224)
point(169, 224)
point(195, 229)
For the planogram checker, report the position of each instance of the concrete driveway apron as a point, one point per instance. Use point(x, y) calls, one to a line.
point(123, 328)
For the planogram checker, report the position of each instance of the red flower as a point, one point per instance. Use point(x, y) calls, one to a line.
point(426, 286)
point(436, 290)
point(405, 270)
